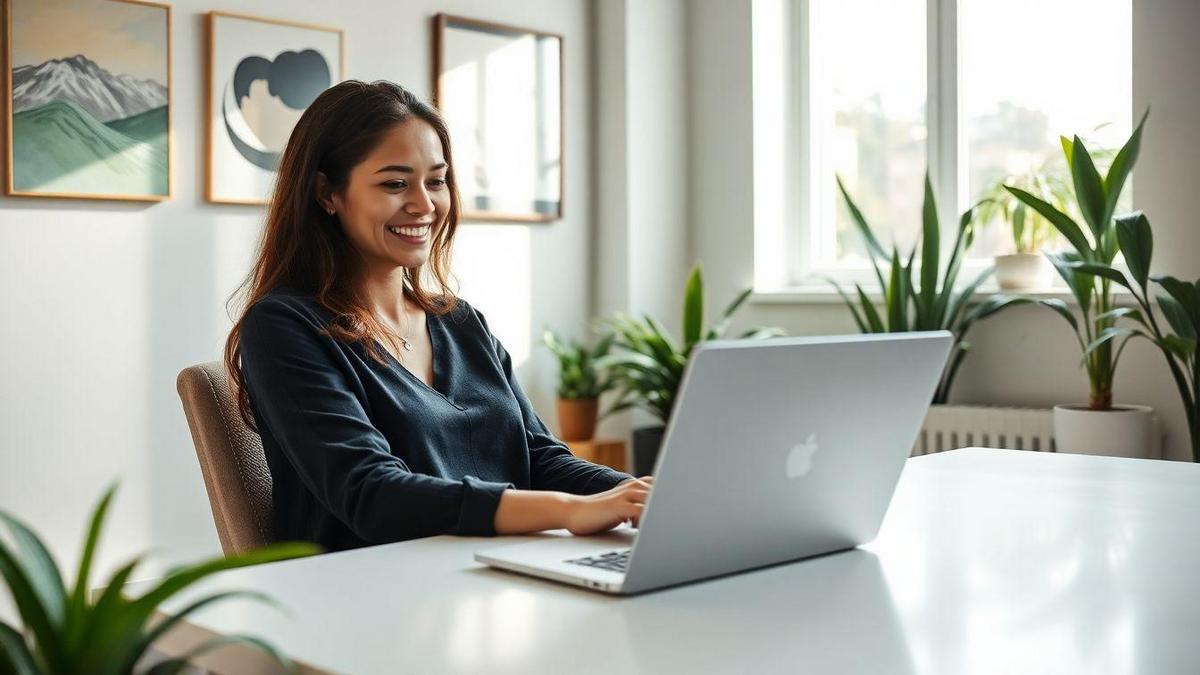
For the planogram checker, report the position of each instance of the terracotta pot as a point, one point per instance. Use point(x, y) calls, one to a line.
point(1028, 271)
point(577, 418)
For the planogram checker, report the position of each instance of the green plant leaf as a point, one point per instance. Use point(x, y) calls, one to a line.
point(873, 247)
point(1122, 312)
point(663, 348)
point(1107, 335)
point(1103, 271)
point(1137, 243)
point(33, 614)
point(1061, 221)
point(959, 304)
point(103, 631)
point(40, 568)
point(1182, 347)
point(930, 247)
point(988, 307)
point(896, 296)
point(1081, 285)
point(1121, 167)
point(160, 629)
point(1067, 149)
point(1185, 294)
point(938, 315)
point(176, 666)
point(193, 573)
point(79, 591)
point(1018, 228)
point(14, 653)
point(1177, 317)
point(858, 320)
point(737, 302)
point(1089, 189)
point(1060, 307)
point(693, 309)
point(762, 333)
point(873, 320)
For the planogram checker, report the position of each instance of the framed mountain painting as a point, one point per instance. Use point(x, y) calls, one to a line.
point(262, 74)
point(89, 92)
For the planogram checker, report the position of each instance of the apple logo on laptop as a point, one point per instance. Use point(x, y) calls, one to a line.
point(799, 461)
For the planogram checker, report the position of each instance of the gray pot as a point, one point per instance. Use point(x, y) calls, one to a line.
point(647, 442)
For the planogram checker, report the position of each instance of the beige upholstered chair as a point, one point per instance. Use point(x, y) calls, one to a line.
point(231, 458)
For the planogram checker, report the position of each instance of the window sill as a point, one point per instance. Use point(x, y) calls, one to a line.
point(826, 295)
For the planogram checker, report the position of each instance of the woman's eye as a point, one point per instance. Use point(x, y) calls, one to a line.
point(437, 182)
point(394, 184)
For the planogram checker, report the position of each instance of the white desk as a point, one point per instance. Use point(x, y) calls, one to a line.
point(990, 561)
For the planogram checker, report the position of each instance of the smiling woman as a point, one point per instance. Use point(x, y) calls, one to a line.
point(387, 408)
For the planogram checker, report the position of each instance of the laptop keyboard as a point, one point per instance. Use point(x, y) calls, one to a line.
point(614, 561)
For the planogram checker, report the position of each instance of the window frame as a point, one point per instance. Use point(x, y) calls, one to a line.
point(946, 152)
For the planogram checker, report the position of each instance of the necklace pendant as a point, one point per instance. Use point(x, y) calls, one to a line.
point(404, 343)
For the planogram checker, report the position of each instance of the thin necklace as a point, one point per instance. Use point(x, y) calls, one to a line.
point(403, 340)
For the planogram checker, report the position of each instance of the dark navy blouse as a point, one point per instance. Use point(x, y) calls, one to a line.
point(365, 453)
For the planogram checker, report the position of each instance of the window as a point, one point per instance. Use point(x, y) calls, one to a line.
point(973, 90)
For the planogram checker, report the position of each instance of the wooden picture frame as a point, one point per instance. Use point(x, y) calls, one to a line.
point(507, 134)
point(78, 146)
point(241, 150)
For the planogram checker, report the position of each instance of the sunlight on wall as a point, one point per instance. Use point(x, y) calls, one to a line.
point(493, 264)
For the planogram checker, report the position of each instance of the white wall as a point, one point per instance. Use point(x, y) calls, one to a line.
point(101, 304)
point(642, 229)
point(1026, 356)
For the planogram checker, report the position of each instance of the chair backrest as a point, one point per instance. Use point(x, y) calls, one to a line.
point(231, 458)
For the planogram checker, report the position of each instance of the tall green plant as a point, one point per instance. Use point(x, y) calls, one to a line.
point(1180, 307)
point(1096, 198)
point(66, 632)
point(923, 299)
point(579, 377)
point(650, 366)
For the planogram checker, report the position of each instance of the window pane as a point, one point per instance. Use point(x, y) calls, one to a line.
point(1033, 70)
point(867, 107)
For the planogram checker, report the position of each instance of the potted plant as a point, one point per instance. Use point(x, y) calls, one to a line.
point(924, 299)
point(1025, 268)
point(580, 384)
point(650, 365)
point(1099, 427)
point(1180, 308)
point(66, 631)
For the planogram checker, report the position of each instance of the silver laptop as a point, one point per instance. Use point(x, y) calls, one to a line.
point(776, 450)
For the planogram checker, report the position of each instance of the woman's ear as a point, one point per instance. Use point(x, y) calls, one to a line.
point(324, 193)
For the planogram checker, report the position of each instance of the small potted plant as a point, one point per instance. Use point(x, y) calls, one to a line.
point(580, 384)
point(1100, 427)
point(650, 365)
point(66, 631)
point(1025, 268)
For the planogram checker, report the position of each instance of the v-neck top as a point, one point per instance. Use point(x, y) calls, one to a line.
point(363, 452)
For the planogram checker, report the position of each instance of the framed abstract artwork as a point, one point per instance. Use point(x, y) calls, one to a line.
point(88, 85)
point(500, 90)
point(261, 75)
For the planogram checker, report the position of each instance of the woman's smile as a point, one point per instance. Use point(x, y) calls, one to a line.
point(411, 233)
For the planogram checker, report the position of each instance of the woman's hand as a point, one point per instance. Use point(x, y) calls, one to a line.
point(593, 514)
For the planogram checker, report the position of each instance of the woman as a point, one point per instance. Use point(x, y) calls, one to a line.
point(387, 409)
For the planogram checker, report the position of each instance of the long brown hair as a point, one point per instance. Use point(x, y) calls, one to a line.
point(304, 247)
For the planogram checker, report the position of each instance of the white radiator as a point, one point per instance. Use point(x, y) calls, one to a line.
point(948, 427)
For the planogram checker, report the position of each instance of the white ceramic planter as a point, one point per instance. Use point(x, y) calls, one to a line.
point(1023, 271)
point(1124, 431)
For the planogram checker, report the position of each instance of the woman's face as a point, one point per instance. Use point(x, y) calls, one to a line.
point(397, 199)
